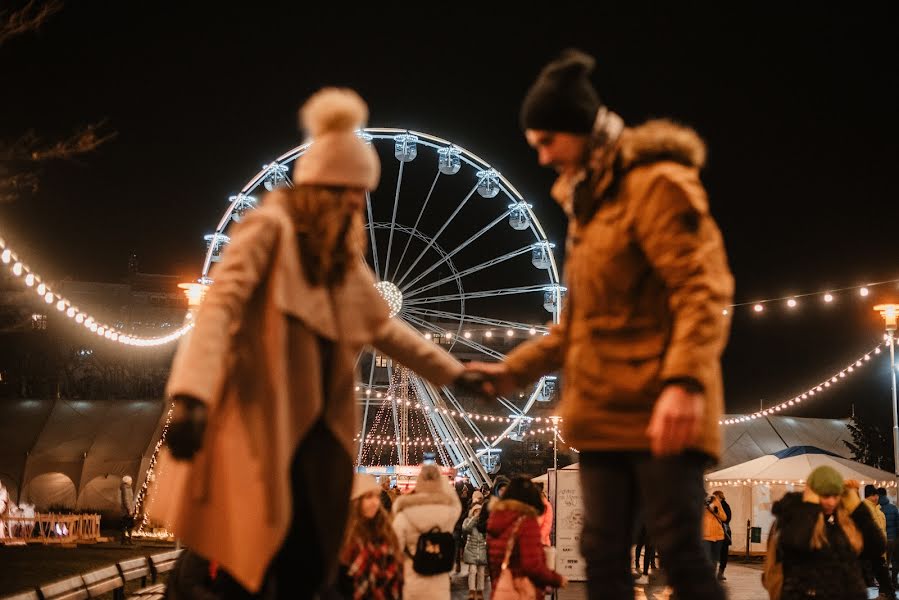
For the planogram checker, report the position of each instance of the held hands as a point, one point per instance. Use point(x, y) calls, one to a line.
point(487, 379)
point(185, 434)
point(676, 420)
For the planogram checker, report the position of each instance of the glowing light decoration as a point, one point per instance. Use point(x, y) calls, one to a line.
point(150, 480)
point(392, 295)
point(819, 387)
point(828, 296)
point(66, 307)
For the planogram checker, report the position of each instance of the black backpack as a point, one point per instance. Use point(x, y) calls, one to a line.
point(435, 552)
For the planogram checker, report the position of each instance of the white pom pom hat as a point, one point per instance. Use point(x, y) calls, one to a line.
point(337, 155)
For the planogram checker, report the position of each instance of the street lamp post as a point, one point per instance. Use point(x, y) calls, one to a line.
point(889, 312)
point(555, 421)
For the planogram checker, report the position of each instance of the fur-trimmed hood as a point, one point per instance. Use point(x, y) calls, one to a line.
point(498, 504)
point(419, 499)
point(658, 140)
point(654, 141)
point(504, 514)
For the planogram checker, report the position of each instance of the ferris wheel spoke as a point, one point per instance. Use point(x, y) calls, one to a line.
point(452, 316)
point(480, 294)
point(486, 264)
point(415, 227)
point(437, 235)
point(510, 405)
point(461, 247)
point(396, 202)
point(371, 230)
point(470, 343)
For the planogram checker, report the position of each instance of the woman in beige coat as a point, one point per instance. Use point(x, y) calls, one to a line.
point(263, 488)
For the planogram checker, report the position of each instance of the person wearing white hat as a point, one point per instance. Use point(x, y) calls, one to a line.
point(263, 488)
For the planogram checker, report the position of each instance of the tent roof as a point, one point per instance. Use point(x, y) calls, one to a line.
point(792, 465)
point(758, 437)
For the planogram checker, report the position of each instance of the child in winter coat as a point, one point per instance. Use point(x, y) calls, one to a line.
point(371, 559)
point(475, 555)
point(822, 532)
point(521, 501)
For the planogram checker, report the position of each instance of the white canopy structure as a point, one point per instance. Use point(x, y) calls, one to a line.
point(751, 488)
point(74, 453)
point(792, 466)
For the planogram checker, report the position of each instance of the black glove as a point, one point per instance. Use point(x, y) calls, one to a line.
point(471, 382)
point(185, 434)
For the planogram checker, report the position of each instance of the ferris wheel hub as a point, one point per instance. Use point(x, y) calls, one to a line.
point(392, 295)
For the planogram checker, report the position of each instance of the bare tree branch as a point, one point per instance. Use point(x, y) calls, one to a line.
point(12, 186)
point(30, 148)
point(29, 18)
point(20, 159)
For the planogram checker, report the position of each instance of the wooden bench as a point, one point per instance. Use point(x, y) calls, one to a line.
point(164, 562)
point(101, 581)
point(135, 568)
point(67, 589)
point(32, 595)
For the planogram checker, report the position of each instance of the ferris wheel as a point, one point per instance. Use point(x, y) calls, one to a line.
point(460, 256)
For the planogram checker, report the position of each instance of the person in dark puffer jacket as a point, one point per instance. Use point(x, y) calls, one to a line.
point(521, 499)
point(892, 516)
point(823, 532)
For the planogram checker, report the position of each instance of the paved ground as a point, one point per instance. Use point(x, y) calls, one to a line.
point(743, 583)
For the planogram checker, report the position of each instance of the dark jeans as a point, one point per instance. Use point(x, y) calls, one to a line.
point(725, 551)
point(614, 485)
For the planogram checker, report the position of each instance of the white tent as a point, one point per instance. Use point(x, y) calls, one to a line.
point(757, 437)
point(751, 488)
point(543, 478)
point(74, 453)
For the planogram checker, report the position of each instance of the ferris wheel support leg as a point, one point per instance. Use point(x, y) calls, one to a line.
point(464, 450)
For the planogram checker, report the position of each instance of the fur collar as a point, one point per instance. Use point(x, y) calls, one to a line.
point(513, 505)
point(419, 499)
point(659, 140)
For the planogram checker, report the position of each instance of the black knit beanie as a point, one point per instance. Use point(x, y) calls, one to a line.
point(562, 98)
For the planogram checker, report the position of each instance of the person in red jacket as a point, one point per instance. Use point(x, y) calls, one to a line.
point(521, 499)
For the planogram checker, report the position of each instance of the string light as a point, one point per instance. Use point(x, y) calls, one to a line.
point(827, 295)
point(819, 387)
point(150, 479)
point(392, 397)
point(66, 307)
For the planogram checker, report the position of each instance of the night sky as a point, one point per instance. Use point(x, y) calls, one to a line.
point(799, 112)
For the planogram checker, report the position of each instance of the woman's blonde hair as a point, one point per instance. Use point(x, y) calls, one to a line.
point(330, 232)
point(845, 522)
